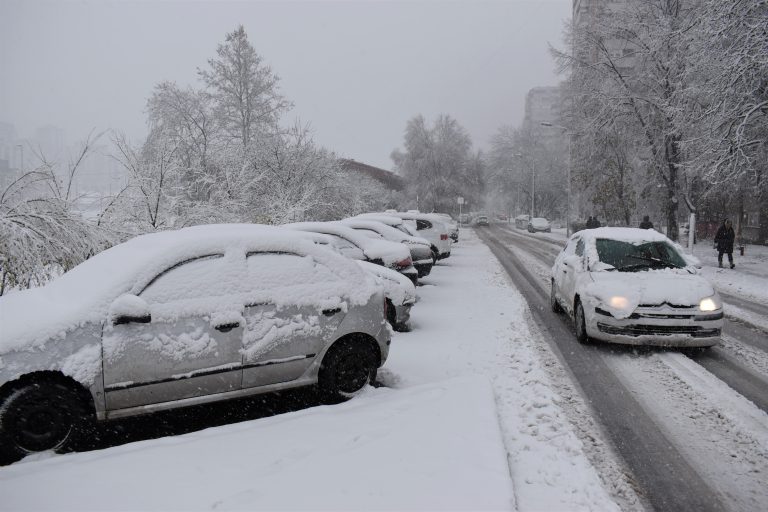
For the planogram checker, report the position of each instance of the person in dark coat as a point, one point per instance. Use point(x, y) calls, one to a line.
point(724, 242)
point(590, 223)
point(646, 224)
point(595, 222)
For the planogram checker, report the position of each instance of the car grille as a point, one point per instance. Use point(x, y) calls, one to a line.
point(658, 330)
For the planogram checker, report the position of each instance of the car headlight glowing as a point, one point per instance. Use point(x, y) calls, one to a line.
point(618, 302)
point(709, 304)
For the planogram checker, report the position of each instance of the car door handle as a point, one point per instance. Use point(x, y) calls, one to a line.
point(331, 312)
point(227, 327)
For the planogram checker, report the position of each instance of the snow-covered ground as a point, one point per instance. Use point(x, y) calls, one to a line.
point(470, 420)
point(749, 280)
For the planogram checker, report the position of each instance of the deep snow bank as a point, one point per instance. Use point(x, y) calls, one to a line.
point(435, 447)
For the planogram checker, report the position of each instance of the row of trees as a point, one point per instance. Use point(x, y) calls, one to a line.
point(217, 152)
point(668, 103)
point(439, 165)
point(666, 106)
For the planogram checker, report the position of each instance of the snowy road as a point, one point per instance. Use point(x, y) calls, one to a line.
point(693, 430)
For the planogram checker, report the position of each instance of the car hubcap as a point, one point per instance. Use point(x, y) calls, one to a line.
point(40, 425)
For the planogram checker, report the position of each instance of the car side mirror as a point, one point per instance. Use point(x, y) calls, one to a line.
point(128, 309)
point(573, 261)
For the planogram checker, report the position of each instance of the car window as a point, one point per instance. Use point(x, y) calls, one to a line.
point(423, 224)
point(191, 279)
point(347, 248)
point(270, 270)
point(626, 256)
point(580, 247)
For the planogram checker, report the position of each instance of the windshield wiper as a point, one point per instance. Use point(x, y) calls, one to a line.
point(656, 260)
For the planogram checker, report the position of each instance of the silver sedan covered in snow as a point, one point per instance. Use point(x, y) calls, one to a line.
point(179, 318)
point(633, 286)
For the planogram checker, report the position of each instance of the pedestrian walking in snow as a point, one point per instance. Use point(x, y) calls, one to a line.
point(724, 242)
point(646, 224)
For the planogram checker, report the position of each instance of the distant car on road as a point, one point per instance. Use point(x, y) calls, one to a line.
point(481, 220)
point(539, 224)
point(632, 286)
point(179, 318)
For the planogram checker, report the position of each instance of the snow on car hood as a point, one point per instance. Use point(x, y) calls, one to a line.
point(30, 318)
point(651, 287)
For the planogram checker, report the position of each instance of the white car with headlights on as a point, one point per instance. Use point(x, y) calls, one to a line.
point(634, 286)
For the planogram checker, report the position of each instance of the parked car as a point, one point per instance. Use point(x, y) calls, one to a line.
point(430, 228)
point(539, 224)
point(400, 225)
point(399, 291)
point(451, 224)
point(632, 286)
point(179, 318)
point(481, 220)
point(421, 254)
point(357, 246)
point(521, 221)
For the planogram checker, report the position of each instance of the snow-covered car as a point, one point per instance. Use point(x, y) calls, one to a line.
point(539, 224)
point(481, 220)
point(399, 291)
point(358, 246)
point(452, 225)
point(421, 253)
point(521, 221)
point(632, 286)
point(429, 227)
point(401, 225)
point(179, 318)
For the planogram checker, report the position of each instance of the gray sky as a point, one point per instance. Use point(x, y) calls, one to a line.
point(356, 71)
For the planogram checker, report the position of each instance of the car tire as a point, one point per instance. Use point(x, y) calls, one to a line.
point(348, 367)
point(553, 304)
point(580, 324)
point(40, 416)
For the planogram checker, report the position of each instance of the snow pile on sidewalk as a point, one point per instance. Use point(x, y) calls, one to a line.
point(470, 320)
point(433, 447)
point(749, 280)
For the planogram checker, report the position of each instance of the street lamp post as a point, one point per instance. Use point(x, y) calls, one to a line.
point(568, 200)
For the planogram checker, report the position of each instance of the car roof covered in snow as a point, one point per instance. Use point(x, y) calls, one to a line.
point(388, 232)
point(388, 252)
point(631, 235)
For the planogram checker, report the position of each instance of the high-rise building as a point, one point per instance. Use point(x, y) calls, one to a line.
point(542, 105)
point(596, 16)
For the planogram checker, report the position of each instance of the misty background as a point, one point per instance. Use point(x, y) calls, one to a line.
point(355, 71)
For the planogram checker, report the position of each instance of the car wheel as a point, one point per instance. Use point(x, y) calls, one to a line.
point(347, 368)
point(553, 299)
point(580, 323)
point(38, 417)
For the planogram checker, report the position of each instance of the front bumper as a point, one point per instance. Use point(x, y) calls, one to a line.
point(402, 316)
point(659, 326)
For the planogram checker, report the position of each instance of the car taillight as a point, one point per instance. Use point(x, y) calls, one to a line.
point(407, 262)
point(443, 237)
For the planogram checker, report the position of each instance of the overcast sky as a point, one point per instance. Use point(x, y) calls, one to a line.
point(355, 70)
